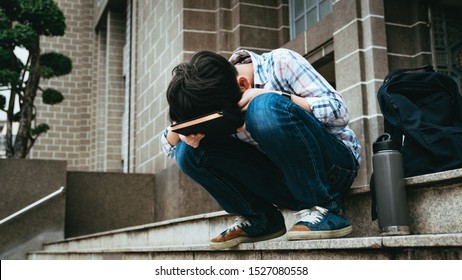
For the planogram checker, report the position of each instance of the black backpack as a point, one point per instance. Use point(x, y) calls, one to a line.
point(423, 114)
point(425, 108)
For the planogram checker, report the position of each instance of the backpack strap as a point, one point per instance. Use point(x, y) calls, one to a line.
point(427, 68)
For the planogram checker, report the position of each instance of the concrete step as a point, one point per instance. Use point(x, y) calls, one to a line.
point(427, 246)
point(435, 203)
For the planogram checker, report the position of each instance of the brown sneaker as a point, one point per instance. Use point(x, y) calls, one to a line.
point(236, 234)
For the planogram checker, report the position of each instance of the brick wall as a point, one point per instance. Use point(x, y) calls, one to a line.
point(86, 129)
point(407, 34)
point(68, 137)
point(160, 48)
point(110, 91)
point(360, 66)
point(226, 26)
point(169, 32)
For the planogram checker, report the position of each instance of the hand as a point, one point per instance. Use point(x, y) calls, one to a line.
point(192, 140)
point(248, 95)
point(241, 129)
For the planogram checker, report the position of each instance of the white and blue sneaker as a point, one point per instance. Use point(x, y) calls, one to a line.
point(319, 223)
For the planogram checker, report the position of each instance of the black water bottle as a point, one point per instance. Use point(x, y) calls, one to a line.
point(390, 190)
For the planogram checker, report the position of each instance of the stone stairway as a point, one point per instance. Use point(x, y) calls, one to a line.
point(435, 203)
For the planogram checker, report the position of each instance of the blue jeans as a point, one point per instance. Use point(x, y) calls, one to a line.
point(298, 164)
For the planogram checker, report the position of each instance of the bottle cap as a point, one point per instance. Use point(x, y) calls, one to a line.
point(384, 142)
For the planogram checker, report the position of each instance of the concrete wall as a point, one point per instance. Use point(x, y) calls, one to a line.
point(178, 196)
point(23, 182)
point(92, 202)
point(98, 202)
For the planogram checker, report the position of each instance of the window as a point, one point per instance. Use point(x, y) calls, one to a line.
point(305, 13)
point(447, 40)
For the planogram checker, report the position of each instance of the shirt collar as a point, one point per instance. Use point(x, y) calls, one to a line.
point(245, 56)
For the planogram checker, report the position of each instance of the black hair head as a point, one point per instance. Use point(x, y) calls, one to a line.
point(205, 84)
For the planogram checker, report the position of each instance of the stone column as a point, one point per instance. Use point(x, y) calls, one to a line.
point(110, 92)
point(361, 63)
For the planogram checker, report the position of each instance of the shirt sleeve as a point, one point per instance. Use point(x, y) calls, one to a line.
point(329, 110)
point(295, 74)
point(168, 149)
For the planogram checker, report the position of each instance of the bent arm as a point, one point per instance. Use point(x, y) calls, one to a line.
point(312, 91)
point(168, 141)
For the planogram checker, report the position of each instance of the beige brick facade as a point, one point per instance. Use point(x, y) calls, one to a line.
point(160, 48)
point(69, 134)
point(124, 50)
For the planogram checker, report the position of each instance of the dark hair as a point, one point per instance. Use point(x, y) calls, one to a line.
point(205, 84)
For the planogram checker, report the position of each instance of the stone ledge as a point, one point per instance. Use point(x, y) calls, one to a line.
point(428, 180)
point(204, 216)
point(375, 243)
point(435, 179)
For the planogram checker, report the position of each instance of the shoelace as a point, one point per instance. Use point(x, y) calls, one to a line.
point(312, 215)
point(239, 222)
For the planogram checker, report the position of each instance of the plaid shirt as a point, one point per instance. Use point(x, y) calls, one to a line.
point(285, 70)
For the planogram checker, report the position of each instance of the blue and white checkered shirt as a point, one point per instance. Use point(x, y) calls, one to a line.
point(285, 70)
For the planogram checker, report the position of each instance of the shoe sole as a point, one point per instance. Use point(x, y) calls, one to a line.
point(245, 239)
point(304, 235)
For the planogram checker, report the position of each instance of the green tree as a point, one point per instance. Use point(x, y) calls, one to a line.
point(22, 23)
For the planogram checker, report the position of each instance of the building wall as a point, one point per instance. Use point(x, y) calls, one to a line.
point(110, 91)
point(407, 33)
point(28, 230)
point(68, 137)
point(225, 26)
point(169, 32)
point(159, 46)
point(86, 129)
point(103, 201)
point(360, 65)
point(354, 47)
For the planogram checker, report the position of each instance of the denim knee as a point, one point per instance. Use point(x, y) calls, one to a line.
point(186, 158)
point(264, 114)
